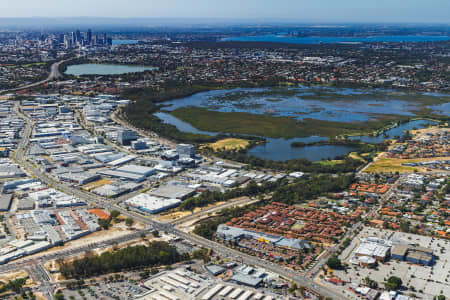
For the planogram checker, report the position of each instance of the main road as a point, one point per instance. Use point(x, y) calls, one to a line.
point(166, 227)
point(54, 74)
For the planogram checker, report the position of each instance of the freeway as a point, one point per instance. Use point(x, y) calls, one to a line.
point(166, 227)
point(54, 74)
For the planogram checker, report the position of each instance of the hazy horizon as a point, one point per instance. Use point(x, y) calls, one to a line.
point(324, 11)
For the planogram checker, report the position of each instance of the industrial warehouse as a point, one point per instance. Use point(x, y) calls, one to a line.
point(183, 284)
point(153, 205)
point(373, 249)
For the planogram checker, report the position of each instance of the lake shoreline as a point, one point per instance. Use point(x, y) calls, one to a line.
point(162, 104)
point(104, 69)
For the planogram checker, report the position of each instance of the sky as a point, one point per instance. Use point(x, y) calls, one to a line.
point(298, 10)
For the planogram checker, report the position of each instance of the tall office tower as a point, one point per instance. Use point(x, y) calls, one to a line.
point(105, 41)
point(95, 40)
point(89, 36)
point(74, 38)
point(78, 37)
point(67, 42)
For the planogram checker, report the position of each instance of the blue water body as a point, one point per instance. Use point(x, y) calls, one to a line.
point(369, 104)
point(281, 150)
point(443, 108)
point(181, 125)
point(397, 131)
point(336, 40)
point(104, 69)
point(320, 102)
point(124, 42)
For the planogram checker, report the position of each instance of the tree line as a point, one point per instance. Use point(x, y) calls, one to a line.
point(310, 188)
point(347, 165)
point(15, 285)
point(154, 254)
point(251, 189)
point(283, 191)
point(295, 193)
point(208, 228)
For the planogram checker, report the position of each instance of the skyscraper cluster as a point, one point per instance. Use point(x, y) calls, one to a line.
point(77, 39)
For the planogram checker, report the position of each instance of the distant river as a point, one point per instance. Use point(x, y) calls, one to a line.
point(124, 42)
point(104, 69)
point(336, 40)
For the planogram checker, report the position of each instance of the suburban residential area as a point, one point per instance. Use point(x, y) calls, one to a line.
point(231, 160)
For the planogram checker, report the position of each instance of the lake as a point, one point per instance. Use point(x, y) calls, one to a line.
point(281, 150)
point(104, 69)
point(181, 125)
point(274, 149)
point(397, 131)
point(317, 102)
point(324, 103)
point(336, 40)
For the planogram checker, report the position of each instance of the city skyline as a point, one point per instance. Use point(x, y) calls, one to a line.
point(225, 150)
point(434, 11)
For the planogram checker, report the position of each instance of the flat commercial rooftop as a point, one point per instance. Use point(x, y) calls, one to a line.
point(372, 250)
point(138, 170)
point(246, 280)
point(152, 204)
point(5, 201)
point(173, 191)
point(125, 175)
point(122, 160)
point(422, 278)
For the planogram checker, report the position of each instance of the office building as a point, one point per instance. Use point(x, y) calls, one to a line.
point(89, 36)
point(125, 137)
point(186, 150)
point(139, 145)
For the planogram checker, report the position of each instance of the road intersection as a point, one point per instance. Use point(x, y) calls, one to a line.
point(161, 226)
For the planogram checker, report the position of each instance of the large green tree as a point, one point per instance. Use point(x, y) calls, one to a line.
point(393, 283)
point(334, 262)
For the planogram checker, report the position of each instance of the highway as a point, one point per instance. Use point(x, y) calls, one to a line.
point(70, 252)
point(35, 264)
point(166, 227)
point(54, 74)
